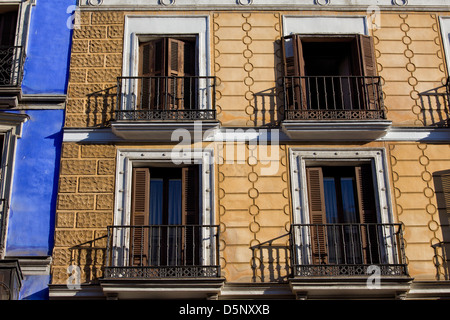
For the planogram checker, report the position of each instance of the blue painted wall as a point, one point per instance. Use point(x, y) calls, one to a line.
point(48, 51)
point(33, 196)
point(35, 180)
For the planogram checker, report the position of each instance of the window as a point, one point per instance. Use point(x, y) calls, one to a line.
point(165, 216)
point(167, 69)
point(343, 214)
point(333, 73)
point(342, 221)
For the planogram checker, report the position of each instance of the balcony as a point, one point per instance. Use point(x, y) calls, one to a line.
point(152, 108)
point(11, 71)
point(334, 108)
point(181, 260)
point(348, 257)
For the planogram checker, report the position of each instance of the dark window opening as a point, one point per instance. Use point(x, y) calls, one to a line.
point(332, 73)
point(167, 71)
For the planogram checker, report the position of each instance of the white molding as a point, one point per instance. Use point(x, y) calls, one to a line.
point(128, 158)
point(300, 158)
point(444, 22)
point(137, 25)
point(295, 24)
point(285, 4)
point(393, 134)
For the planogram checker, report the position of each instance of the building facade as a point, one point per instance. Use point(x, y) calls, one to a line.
point(255, 149)
point(35, 46)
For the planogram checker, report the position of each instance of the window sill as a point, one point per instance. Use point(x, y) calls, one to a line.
point(162, 131)
point(335, 130)
point(348, 287)
point(162, 288)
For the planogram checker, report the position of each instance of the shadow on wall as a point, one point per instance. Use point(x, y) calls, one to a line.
point(435, 105)
point(90, 257)
point(268, 103)
point(271, 261)
point(442, 249)
point(101, 106)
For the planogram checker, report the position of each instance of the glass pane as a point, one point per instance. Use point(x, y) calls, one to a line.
point(348, 200)
point(156, 201)
point(175, 201)
point(330, 200)
point(175, 238)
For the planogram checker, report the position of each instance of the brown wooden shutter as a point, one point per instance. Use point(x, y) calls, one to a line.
point(176, 64)
point(368, 69)
point(295, 66)
point(140, 210)
point(190, 214)
point(370, 232)
point(317, 214)
point(151, 66)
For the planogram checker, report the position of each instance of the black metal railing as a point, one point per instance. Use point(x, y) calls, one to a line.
point(347, 249)
point(333, 98)
point(163, 251)
point(166, 98)
point(11, 66)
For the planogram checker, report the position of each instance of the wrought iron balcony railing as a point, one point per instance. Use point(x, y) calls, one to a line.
point(333, 98)
point(328, 250)
point(163, 251)
point(167, 98)
point(11, 66)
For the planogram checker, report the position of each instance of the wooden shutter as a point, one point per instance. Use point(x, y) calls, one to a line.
point(181, 66)
point(140, 210)
point(317, 214)
point(190, 214)
point(368, 69)
point(295, 66)
point(370, 232)
point(151, 67)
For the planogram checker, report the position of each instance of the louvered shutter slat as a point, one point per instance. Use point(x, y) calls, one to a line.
point(140, 216)
point(317, 215)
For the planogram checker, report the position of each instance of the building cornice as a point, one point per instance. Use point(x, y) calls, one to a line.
point(223, 134)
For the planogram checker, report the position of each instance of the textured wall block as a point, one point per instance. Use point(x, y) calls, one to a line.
point(87, 60)
point(68, 184)
point(98, 151)
point(75, 202)
point(103, 75)
point(96, 184)
point(90, 32)
point(107, 17)
point(106, 167)
point(66, 238)
point(106, 46)
point(80, 167)
point(70, 150)
point(94, 219)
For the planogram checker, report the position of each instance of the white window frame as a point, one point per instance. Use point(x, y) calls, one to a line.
point(300, 159)
point(445, 31)
point(129, 158)
point(325, 25)
point(139, 27)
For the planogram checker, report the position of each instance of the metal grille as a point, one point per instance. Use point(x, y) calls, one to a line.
point(11, 66)
point(167, 98)
point(347, 249)
point(333, 98)
point(163, 251)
